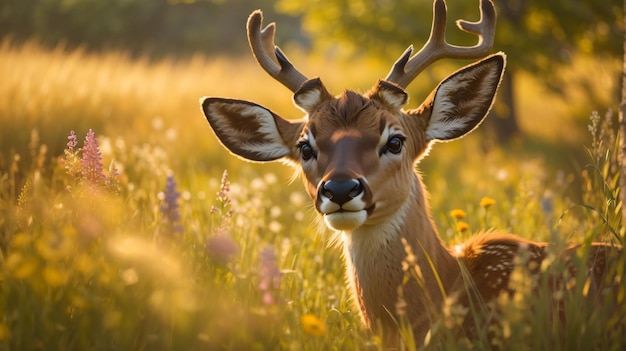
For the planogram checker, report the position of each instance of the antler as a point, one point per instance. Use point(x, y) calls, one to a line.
point(269, 56)
point(405, 70)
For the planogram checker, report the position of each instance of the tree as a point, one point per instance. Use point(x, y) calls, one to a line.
point(538, 36)
point(622, 131)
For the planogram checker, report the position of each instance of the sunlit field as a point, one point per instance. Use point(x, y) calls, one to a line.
point(124, 225)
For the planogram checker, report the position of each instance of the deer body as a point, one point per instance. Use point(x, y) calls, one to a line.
point(374, 258)
point(357, 154)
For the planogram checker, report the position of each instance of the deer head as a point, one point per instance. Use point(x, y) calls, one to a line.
point(357, 151)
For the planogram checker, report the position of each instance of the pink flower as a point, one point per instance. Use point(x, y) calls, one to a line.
point(270, 274)
point(91, 168)
point(222, 248)
point(71, 144)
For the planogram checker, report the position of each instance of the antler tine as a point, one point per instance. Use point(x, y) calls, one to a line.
point(406, 68)
point(269, 56)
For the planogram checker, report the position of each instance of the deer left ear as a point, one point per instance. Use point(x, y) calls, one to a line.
point(461, 101)
point(310, 95)
point(389, 94)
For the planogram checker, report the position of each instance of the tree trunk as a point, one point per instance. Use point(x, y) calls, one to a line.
point(622, 134)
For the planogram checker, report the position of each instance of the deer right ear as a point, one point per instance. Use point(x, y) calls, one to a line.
point(462, 100)
point(251, 131)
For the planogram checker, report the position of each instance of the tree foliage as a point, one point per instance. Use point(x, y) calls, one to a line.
point(139, 26)
point(537, 35)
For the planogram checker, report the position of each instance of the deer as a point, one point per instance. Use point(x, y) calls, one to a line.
point(357, 155)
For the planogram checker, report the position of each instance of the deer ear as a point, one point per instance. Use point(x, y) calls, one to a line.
point(310, 95)
point(389, 94)
point(462, 100)
point(251, 131)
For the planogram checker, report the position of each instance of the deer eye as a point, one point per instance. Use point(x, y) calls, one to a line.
point(306, 150)
point(394, 144)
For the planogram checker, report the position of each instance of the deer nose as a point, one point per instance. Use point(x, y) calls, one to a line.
point(341, 192)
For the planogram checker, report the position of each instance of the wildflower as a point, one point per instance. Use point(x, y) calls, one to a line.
point(223, 198)
point(486, 202)
point(71, 143)
point(84, 264)
point(222, 248)
point(91, 165)
point(312, 325)
point(21, 267)
point(55, 246)
point(458, 214)
point(54, 277)
point(169, 206)
point(224, 188)
point(71, 160)
point(21, 241)
point(593, 128)
point(270, 274)
point(111, 182)
point(461, 226)
point(275, 226)
point(547, 207)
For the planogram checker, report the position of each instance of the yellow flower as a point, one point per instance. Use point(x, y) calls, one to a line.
point(85, 264)
point(486, 202)
point(458, 214)
point(79, 301)
point(56, 246)
point(21, 240)
point(461, 226)
point(21, 267)
point(313, 325)
point(54, 277)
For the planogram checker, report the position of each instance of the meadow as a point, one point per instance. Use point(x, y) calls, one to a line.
point(124, 225)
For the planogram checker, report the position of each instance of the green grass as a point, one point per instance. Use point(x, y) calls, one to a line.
point(85, 267)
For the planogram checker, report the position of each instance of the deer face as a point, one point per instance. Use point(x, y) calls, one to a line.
point(357, 151)
point(353, 153)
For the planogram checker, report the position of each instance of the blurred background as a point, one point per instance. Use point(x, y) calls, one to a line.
point(110, 64)
point(544, 40)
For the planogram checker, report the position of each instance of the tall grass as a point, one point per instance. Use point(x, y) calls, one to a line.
point(162, 250)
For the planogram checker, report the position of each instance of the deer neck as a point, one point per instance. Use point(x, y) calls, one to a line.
point(374, 258)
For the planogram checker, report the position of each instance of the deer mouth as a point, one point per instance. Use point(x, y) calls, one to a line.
point(343, 220)
point(346, 220)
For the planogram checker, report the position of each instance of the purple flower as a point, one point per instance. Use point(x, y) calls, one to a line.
point(91, 168)
point(222, 248)
point(169, 206)
point(270, 274)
